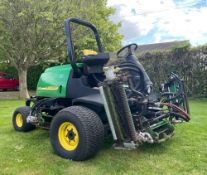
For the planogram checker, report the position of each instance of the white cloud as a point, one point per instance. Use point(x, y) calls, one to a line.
point(166, 17)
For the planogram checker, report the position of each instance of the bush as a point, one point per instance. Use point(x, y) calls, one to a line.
point(9, 69)
point(33, 76)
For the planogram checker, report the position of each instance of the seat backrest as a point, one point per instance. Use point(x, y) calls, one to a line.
point(95, 63)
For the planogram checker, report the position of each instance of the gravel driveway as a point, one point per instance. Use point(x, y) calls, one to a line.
point(11, 94)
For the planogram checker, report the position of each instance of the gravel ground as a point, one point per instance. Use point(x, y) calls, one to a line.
point(11, 94)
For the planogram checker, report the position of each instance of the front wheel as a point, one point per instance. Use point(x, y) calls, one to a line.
point(19, 119)
point(76, 133)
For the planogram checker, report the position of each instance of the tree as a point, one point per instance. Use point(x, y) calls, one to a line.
point(31, 32)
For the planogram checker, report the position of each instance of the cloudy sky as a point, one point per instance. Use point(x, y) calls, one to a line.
point(153, 21)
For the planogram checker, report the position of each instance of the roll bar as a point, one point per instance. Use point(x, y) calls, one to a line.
point(70, 49)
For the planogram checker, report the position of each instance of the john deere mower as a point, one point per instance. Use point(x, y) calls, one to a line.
point(82, 102)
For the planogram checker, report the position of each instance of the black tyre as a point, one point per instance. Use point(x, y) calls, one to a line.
point(19, 119)
point(76, 133)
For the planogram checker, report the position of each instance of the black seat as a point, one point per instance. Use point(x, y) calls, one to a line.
point(93, 60)
point(95, 63)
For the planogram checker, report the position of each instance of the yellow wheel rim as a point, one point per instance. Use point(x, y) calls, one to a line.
point(19, 120)
point(68, 136)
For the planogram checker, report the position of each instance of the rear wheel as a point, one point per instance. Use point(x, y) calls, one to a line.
point(19, 119)
point(76, 133)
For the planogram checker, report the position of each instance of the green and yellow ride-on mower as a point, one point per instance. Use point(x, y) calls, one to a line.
point(82, 102)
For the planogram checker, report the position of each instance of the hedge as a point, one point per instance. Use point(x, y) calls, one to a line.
point(189, 63)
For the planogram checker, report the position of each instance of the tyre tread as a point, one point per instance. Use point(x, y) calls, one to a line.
point(92, 127)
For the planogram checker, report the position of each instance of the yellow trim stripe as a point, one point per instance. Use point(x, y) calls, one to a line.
point(48, 88)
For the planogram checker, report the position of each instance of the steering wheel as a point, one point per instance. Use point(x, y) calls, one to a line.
point(127, 50)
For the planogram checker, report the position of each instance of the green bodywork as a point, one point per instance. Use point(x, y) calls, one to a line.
point(53, 82)
point(173, 87)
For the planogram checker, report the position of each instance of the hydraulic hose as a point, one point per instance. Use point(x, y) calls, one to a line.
point(130, 84)
point(178, 110)
point(129, 66)
point(134, 90)
point(131, 69)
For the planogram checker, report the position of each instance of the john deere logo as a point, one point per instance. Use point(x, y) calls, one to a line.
point(48, 88)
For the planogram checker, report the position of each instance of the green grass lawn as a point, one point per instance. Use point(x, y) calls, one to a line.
point(31, 153)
